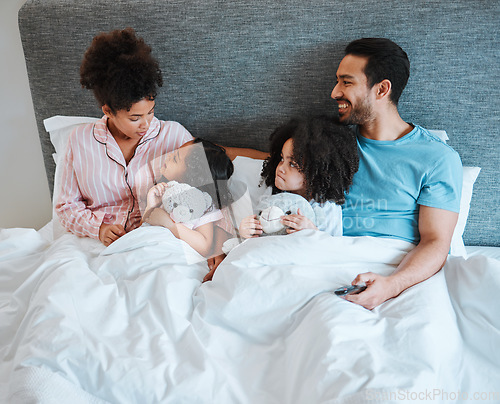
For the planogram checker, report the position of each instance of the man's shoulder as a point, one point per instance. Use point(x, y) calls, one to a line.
point(432, 136)
point(434, 141)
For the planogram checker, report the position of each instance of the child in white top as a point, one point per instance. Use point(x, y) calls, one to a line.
point(315, 158)
point(201, 164)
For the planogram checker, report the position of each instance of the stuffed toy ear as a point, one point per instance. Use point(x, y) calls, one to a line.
point(208, 200)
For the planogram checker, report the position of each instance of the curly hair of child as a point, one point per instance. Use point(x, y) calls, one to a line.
point(325, 152)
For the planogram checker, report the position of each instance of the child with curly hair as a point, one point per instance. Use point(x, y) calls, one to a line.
point(315, 158)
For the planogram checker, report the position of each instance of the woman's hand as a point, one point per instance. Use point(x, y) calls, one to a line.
point(155, 195)
point(250, 227)
point(110, 232)
point(297, 222)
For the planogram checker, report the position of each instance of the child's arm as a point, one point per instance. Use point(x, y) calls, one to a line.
point(154, 199)
point(159, 217)
point(155, 195)
point(217, 256)
point(200, 238)
point(297, 222)
point(250, 227)
point(223, 231)
point(234, 152)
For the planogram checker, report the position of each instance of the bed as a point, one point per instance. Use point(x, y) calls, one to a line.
point(133, 322)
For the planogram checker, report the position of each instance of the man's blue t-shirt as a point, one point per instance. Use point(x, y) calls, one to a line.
point(394, 178)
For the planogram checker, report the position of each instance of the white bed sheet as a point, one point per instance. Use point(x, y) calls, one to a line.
point(133, 323)
point(492, 252)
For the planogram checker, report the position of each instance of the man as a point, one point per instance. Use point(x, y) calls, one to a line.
point(409, 182)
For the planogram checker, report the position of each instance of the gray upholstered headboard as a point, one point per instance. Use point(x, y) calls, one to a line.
point(235, 69)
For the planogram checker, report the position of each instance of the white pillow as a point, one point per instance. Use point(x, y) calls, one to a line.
point(457, 243)
point(441, 134)
point(244, 187)
point(247, 171)
point(469, 177)
point(59, 128)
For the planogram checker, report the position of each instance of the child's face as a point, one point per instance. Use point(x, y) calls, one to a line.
point(131, 124)
point(288, 177)
point(174, 166)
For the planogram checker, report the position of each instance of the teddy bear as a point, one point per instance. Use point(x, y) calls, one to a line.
point(270, 208)
point(185, 203)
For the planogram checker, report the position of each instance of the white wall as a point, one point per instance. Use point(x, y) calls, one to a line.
point(25, 200)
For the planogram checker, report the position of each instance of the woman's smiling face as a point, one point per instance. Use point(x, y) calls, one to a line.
point(131, 124)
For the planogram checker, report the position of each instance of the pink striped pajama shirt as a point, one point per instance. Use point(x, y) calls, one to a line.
point(98, 186)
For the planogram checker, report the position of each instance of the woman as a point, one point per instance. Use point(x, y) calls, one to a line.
point(99, 198)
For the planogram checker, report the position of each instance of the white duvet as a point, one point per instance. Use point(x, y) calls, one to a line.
point(132, 323)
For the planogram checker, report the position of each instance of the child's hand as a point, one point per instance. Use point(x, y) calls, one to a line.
point(250, 227)
point(155, 194)
point(297, 222)
point(159, 217)
point(213, 263)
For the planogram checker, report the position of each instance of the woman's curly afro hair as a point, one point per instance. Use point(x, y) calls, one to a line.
point(325, 151)
point(119, 68)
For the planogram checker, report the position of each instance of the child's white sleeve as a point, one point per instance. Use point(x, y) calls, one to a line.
point(329, 217)
point(209, 217)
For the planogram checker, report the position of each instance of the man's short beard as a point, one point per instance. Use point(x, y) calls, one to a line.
point(360, 115)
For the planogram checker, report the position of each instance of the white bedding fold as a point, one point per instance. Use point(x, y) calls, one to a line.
point(39, 385)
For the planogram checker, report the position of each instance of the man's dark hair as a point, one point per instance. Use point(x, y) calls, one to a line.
point(386, 60)
point(119, 68)
point(325, 152)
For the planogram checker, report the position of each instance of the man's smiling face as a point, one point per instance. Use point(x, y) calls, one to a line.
point(351, 92)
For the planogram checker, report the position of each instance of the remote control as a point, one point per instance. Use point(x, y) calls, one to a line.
point(350, 290)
